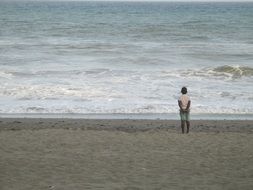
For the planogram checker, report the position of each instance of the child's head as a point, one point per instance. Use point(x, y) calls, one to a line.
point(184, 90)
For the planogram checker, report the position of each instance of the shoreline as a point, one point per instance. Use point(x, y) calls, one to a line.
point(126, 125)
point(138, 116)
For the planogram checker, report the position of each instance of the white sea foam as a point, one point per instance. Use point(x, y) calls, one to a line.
point(117, 91)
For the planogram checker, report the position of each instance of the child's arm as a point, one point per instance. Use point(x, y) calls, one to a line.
point(180, 105)
point(188, 105)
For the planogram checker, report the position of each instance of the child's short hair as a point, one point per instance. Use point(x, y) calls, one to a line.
point(184, 90)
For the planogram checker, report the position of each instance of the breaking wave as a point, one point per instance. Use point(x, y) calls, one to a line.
point(235, 71)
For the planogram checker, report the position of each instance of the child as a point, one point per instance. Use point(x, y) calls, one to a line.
point(184, 104)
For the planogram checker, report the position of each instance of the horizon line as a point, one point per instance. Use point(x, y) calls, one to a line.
point(176, 1)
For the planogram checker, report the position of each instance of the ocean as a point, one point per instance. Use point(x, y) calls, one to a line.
point(125, 57)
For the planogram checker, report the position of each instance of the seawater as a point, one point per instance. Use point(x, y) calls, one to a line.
point(125, 57)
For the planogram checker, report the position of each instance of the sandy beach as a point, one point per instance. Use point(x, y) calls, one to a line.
point(124, 154)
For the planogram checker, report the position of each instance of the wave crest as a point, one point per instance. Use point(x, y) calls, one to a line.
point(235, 71)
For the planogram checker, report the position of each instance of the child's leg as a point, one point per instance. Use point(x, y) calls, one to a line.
point(188, 126)
point(182, 125)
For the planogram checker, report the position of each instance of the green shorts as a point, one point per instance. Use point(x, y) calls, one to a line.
point(185, 116)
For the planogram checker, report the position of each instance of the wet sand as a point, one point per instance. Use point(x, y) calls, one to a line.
point(124, 154)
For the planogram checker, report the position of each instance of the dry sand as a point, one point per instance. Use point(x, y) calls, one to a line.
point(75, 154)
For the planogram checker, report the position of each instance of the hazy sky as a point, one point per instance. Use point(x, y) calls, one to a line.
point(144, 0)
